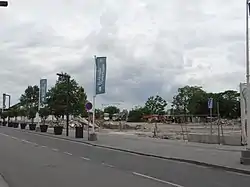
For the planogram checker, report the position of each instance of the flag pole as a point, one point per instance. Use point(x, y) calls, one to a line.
point(93, 136)
point(247, 74)
point(247, 41)
point(94, 97)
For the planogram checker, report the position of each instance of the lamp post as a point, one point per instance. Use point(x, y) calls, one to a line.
point(4, 3)
point(245, 154)
point(61, 75)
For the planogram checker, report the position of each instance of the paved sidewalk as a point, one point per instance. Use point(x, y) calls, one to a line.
point(219, 156)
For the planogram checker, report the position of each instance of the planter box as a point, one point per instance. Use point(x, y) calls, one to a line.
point(23, 125)
point(78, 132)
point(15, 125)
point(10, 124)
point(32, 127)
point(58, 130)
point(44, 128)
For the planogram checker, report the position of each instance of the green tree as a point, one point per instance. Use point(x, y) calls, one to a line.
point(111, 110)
point(136, 114)
point(190, 99)
point(57, 98)
point(44, 113)
point(155, 105)
point(32, 114)
point(98, 113)
point(193, 100)
point(30, 98)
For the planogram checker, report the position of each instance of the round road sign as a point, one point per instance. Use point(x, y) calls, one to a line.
point(88, 106)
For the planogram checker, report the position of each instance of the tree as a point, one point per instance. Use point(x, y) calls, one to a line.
point(111, 110)
point(155, 105)
point(30, 98)
point(136, 114)
point(57, 98)
point(32, 114)
point(190, 99)
point(98, 113)
point(194, 101)
point(44, 113)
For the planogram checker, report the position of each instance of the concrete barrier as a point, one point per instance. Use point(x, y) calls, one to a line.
point(214, 139)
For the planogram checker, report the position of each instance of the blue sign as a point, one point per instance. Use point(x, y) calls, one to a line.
point(43, 90)
point(101, 68)
point(210, 103)
point(88, 106)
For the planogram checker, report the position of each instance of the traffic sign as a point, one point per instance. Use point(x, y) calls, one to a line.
point(88, 106)
point(210, 103)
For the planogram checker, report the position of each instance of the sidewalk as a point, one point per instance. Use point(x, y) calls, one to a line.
point(219, 156)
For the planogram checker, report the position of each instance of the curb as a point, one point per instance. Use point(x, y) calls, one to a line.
point(200, 163)
point(3, 183)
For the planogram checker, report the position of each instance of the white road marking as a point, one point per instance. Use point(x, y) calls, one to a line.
point(55, 138)
point(84, 158)
point(33, 143)
point(44, 146)
point(111, 166)
point(26, 141)
point(158, 180)
point(55, 149)
point(4, 134)
point(14, 138)
point(68, 153)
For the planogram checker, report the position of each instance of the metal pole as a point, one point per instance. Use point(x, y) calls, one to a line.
point(88, 124)
point(247, 42)
point(94, 97)
point(39, 103)
point(8, 108)
point(67, 115)
point(218, 116)
point(211, 120)
point(247, 74)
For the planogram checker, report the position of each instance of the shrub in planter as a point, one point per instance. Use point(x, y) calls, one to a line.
point(4, 123)
point(32, 126)
point(44, 128)
point(23, 125)
point(58, 130)
point(44, 113)
point(10, 124)
point(32, 115)
point(15, 125)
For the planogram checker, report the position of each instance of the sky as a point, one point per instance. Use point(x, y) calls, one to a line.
point(152, 46)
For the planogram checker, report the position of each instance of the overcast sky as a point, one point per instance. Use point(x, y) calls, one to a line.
point(153, 46)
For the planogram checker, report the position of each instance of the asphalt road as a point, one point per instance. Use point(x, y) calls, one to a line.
point(28, 160)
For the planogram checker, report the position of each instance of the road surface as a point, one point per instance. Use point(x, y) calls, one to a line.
point(28, 160)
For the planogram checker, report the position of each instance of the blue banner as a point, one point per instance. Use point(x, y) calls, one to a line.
point(210, 103)
point(43, 90)
point(101, 68)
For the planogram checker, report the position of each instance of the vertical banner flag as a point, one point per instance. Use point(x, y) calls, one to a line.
point(210, 103)
point(101, 68)
point(43, 90)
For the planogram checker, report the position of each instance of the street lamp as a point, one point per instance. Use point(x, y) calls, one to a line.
point(4, 3)
point(61, 75)
point(245, 154)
